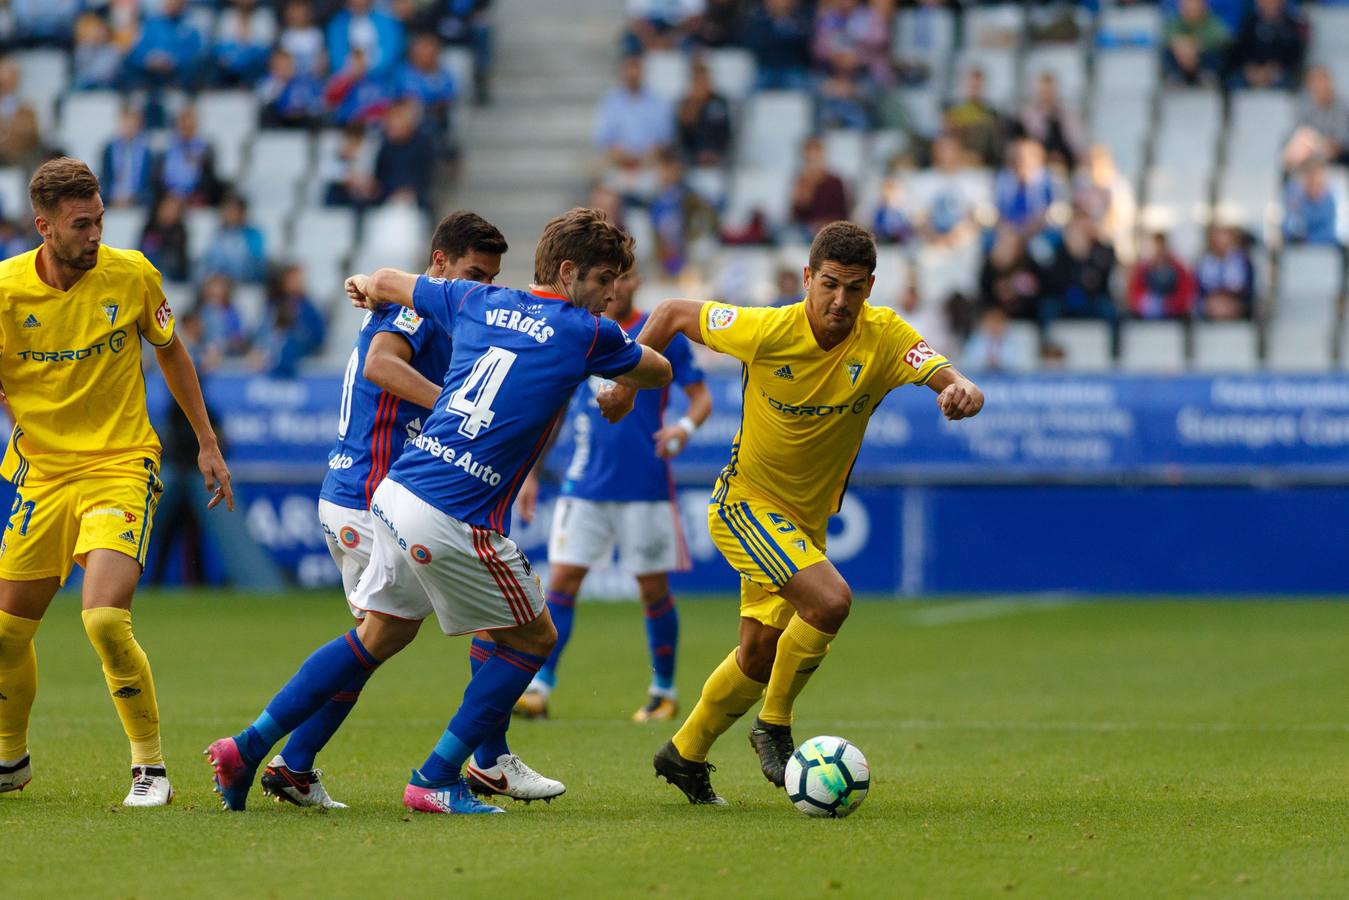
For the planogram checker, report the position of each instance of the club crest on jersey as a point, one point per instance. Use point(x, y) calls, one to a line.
point(407, 321)
point(349, 538)
point(854, 369)
point(110, 308)
point(800, 545)
point(420, 554)
point(719, 317)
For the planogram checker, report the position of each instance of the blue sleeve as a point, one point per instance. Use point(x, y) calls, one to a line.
point(613, 352)
point(438, 299)
point(680, 355)
point(405, 323)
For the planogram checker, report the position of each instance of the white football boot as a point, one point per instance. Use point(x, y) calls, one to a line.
point(17, 776)
point(149, 787)
point(510, 777)
point(301, 788)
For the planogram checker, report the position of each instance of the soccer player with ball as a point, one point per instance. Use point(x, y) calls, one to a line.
point(814, 372)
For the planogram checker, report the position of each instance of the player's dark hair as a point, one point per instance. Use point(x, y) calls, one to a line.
point(843, 243)
point(63, 178)
point(462, 231)
point(587, 238)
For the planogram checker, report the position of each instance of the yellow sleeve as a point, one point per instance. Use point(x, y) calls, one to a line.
point(914, 361)
point(733, 330)
point(156, 318)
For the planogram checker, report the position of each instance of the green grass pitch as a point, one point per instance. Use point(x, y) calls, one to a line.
point(1116, 749)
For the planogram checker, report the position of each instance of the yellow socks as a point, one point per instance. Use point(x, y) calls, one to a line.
point(18, 683)
point(801, 649)
point(127, 672)
point(727, 695)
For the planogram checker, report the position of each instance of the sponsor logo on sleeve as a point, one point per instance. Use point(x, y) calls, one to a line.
point(164, 315)
point(919, 355)
point(408, 321)
point(721, 317)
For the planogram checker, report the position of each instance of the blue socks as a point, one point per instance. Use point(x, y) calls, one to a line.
point(488, 700)
point(662, 637)
point(562, 607)
point(494, 745)
point(317, 730)
point(327, 671)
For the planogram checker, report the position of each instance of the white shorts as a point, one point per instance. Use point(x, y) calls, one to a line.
point(426, 562)
point(349, 538)
point(648, 534)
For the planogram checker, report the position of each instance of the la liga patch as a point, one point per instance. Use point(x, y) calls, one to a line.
point(721, 317)
point(407, 321)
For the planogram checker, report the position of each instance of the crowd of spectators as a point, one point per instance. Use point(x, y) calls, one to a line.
point(1053, 225)
point(369, 68)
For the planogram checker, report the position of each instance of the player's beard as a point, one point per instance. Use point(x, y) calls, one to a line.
point(73, 260)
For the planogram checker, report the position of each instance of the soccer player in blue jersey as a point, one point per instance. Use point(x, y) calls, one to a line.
point(443, 511)
point(618, 492)
point(392, 379)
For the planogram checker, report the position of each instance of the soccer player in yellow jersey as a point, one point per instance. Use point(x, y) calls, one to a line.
point(813, 374)
point(81, 474)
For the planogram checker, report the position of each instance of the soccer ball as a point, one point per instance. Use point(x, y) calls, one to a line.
point(827, 776)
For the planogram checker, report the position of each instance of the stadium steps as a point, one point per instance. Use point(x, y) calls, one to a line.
point(528, 155)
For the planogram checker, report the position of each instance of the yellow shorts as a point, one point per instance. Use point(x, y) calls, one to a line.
point(767, 547)
point(54, 524)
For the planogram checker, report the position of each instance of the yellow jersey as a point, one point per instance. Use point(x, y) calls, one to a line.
point(70, 363)
point(806, 409)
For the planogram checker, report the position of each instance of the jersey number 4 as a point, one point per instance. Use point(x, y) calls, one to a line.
point(473, 401)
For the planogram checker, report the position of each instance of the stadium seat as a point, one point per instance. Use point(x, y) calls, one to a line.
point(732, 71)
point(765, 190)
point(923, 106)
point(122, 227)
point(1157, 347)
point(1187, 130)
point(1026, 334)
point(1261, 123)
point(1226, 347)
point(775, 124)
point(268, 195)
point(45, 75)
point(251, 302)
point(459, 60)
point(1122, 124)
point(999, 26)
point(395, 233)
point(940, 271)
point(666, 73)
point(1085, 343)
point(1298, 347)
point(1247, 197)
point(272, 223)
point(281, 156)
point(1125, 73)
point(228, 120)
point(88, 120)
point(892, 277)
point(202, 223)
point(708, 182)
point(1329, 32)
point(13, 193)
point(1184, 191)
point(1310, 282)
point(327, 232)
point(1132, 26)
point(344, 322)
point(939, 47)
point(845, 150)
point(1068, 65)
point(744, 275)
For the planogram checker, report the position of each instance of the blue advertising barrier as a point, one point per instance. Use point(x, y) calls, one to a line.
point(1090, 483)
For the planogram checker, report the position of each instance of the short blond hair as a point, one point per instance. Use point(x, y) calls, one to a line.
point(63, 178)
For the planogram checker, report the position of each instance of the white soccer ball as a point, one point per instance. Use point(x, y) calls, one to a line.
point(827, 776)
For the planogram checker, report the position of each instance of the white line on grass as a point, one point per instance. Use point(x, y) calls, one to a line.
point(958, 611)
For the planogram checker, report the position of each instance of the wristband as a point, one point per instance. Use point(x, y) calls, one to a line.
point(687, 424)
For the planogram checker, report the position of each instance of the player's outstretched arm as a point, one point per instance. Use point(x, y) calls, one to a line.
point(384, 286)
point(388, 363)
point(652, 371)
point(671, 317)
point(957, 396)
point(181, 377)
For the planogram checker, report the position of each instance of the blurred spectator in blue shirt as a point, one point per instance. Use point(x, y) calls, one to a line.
point(222, 327)
point(778, 33)
point(238, 249)
point(704, 120)
point(1310, 209)
point(466, 23)
point(293, 328)
point(859, 32)
point(406, 162)
point(355, 95)
point(1225, 276)
point(678, 215)
point(1024, 190)
point(128, 164)
point(660, 24)
point(362, 27)
point(994, 347)
point(97, 60)
point(634, 124)
point(892, 223)
point(346, 173)
point(164, 239)
point(1270, 47)
point(170, 49)
point(44, 22)
point(423, 79)
point(243, 40)
point(302, 39)
point(923, 44)
point(187, 168)
point(946, 197)
point(290, 98)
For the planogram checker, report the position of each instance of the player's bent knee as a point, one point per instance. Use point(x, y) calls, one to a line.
point(830, 609)
point(384, 636)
